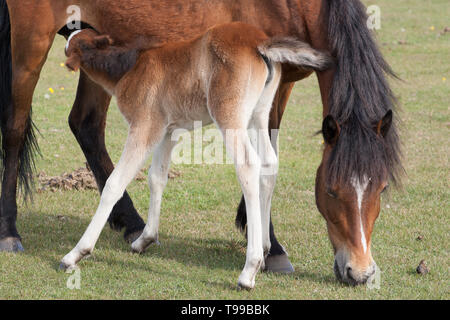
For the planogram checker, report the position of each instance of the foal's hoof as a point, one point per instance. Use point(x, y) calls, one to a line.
point(278, 264)
point(65, 267)
point(70, 260)
point(140, 244)
point(243, 285)
point(11, 244)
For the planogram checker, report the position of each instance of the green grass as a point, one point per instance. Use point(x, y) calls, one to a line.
point(201, 253)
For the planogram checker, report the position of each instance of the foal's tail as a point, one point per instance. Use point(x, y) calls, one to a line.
point(296, 52)
point(26, 160)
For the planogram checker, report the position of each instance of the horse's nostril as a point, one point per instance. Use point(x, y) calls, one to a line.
point(348, 271)
point(350, 277)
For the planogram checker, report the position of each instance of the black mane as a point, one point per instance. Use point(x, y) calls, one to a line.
point(359, 98)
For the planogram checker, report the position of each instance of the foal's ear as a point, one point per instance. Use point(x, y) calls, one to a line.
point(73, 62)
point(330, 130)
point(384, 124)
point(103, 42)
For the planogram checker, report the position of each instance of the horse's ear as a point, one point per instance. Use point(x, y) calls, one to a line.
point(384, 124)
point(73, 62)
point(330, 130)
point(103, 42)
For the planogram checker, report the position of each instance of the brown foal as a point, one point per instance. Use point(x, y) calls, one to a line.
point(228, 76)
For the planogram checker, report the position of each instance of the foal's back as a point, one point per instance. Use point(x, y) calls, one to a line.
point(183, 79)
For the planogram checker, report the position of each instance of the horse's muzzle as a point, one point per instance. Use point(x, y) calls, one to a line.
point(350, 276)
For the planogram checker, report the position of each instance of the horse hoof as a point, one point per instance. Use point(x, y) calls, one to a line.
point(63, 266)
point(240, 287)
point(245, 286)
point(140, 245)
point(136, 249)
point(278, 264)
point(11, 244)
point(130, 238)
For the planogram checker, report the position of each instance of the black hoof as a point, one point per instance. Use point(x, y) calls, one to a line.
point(11, 244)
point(278, 264)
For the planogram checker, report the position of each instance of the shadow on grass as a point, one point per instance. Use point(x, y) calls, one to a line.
point(315, 277)
point(49, 237)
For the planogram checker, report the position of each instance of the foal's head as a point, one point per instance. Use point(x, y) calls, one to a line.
point(354, 172)
point(82, 41)
point(96, 54)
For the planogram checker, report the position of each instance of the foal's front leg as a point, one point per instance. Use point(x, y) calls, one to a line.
point(157, 180)
point(133, 157)
point(87, 122)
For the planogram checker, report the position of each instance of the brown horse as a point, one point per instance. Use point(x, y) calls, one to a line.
point(355, 94)
point(160, 90)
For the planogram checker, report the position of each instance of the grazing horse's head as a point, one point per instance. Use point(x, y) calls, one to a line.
point(354, 172)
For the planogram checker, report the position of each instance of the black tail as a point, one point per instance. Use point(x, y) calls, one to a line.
point(30, 147)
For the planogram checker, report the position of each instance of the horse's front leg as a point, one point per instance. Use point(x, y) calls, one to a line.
point(29, 50)
point(87, 121)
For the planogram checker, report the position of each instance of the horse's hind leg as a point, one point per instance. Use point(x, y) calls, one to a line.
point(135, 153)
point(157, 180)
point(29, 52)
point(87, 121)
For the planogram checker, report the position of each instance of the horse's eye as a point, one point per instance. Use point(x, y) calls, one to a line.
point(332, 194)
point(385, 188)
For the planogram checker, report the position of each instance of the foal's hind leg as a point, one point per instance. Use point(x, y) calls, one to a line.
point(267, 155)
point(248, 168)
point(277, 260)
point(133, 157)
point(157, 180)
point(87, 121)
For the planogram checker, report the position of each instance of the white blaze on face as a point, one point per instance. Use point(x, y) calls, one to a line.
point(360, 188)
point(71, 36)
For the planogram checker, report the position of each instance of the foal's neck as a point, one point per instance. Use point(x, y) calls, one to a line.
point(108, 66)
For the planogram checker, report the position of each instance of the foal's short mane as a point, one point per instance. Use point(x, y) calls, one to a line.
point(114, 61)
point(359, 98)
